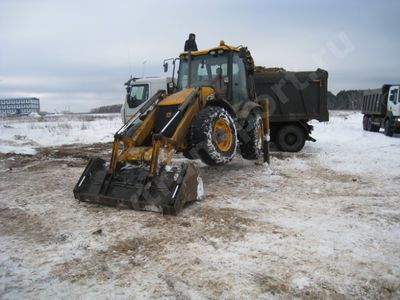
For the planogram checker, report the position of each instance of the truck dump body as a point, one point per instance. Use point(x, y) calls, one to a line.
point(375, 101)
point(294, 96)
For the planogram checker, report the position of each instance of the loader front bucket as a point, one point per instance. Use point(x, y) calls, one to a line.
point(132, 187)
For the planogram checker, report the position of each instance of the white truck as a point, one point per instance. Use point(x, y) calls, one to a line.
point(381, 109)
point(138, 90)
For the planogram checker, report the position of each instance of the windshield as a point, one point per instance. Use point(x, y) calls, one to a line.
point(206, 70)
point(138, 94)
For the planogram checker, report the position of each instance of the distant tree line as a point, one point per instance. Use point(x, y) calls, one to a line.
point(350, 99)
point(116, 108)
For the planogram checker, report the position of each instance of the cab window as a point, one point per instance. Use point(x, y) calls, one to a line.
point(394, 95)
point(138, 94)
point(205, 69)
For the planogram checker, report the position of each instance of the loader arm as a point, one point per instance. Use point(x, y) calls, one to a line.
point(136, 176)
point(135, 149)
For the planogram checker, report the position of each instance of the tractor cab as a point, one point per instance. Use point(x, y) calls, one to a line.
point(224, 68)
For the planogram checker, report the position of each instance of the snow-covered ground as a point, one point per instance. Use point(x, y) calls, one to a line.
point(322, 223)
point(343, 146)
point(26, 134)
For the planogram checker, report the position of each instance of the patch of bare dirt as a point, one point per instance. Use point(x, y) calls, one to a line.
point(19, 223)
point(295, 230)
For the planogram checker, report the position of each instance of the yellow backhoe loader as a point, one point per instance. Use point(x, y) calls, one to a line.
point(209, 113)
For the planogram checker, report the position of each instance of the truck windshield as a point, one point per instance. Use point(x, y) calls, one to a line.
point(138, 94)
point(206, 70)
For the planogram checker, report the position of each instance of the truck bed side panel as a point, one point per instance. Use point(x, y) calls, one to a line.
point(374, 102)
point(294, 96)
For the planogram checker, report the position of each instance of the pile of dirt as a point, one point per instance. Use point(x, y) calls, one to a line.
point(261, 69)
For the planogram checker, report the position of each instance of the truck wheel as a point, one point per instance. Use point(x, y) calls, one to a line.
point(254, 131)
point(365, 122)
point(369, 124)
point(388, 128)
point(214, 136)
point(375, 128)
point(291, 138)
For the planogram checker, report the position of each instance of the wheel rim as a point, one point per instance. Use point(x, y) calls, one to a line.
point(290, 139)
point(223, 136)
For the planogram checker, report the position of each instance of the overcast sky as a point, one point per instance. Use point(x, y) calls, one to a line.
point(78, 54)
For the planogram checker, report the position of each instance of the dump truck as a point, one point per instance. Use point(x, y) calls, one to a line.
point(381, 109)
point(295, 99)
point(211, 111)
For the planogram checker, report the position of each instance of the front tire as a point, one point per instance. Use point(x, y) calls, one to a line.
point(291, 138)
point(388, 128)
point(214, 136)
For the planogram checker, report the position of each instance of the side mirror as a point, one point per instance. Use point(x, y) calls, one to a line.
point(165, 67)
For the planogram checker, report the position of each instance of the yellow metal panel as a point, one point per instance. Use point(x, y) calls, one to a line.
point(183, 128)
point(138, 154)
point(205, 92)
point(145, 128)
point(177, 98)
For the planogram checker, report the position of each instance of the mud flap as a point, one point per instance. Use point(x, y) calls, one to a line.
point(132, 188)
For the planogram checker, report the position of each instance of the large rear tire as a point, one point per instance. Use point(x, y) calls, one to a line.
point(291, 138)
point(373, 127)
point(253, 130)
point(213, 135)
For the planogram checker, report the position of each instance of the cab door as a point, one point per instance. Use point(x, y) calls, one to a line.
point(239, 84)
point(394, 101)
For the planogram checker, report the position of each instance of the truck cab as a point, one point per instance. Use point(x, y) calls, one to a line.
point(381, 109)
point(393, 105)
point(138, 90)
